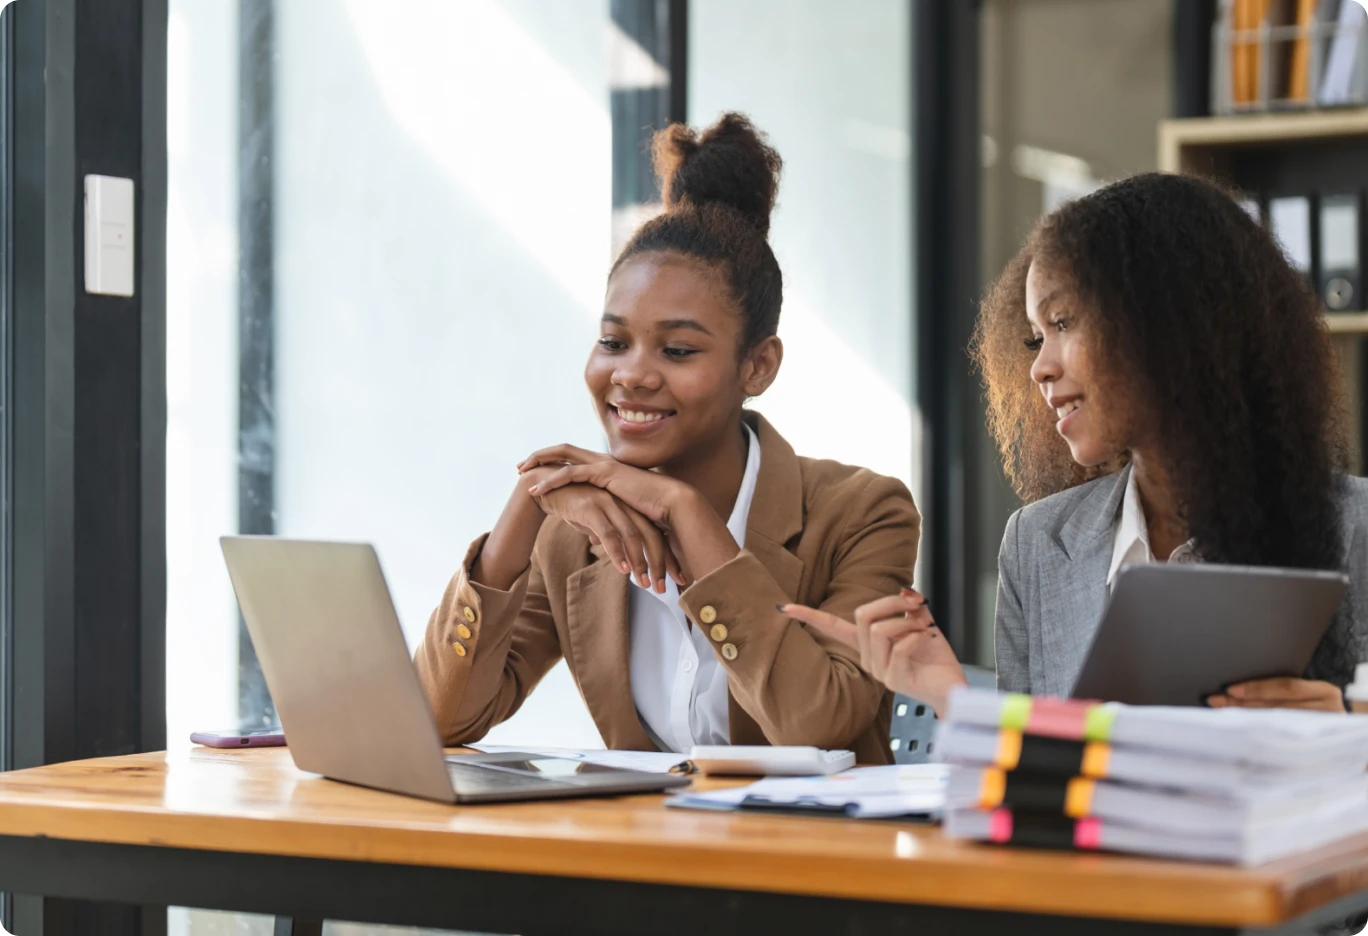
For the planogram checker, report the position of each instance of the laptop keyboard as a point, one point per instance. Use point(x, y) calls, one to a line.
point(473, 779)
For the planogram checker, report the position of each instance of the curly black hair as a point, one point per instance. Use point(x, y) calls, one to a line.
point(1192, 309)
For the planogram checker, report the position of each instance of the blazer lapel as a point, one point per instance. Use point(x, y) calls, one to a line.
point(776, 516)
point(1074, 590)
point(596, 601)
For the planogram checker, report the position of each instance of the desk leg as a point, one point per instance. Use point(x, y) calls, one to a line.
point(289, 926)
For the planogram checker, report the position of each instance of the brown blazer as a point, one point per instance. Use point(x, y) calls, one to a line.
point(819, 532)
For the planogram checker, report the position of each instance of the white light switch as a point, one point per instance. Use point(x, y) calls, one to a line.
point(108, 235)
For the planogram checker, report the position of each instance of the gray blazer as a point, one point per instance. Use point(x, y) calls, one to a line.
point(1052, 580)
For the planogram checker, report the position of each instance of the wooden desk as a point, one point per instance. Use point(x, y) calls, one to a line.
point(245, 830)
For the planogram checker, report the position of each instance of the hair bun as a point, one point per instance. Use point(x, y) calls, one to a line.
point(729, 163)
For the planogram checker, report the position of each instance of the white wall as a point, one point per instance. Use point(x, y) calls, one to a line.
point(201, 366)
point(830, 83)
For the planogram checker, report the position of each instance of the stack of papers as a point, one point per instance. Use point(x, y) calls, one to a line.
point(1242, 786)
point(860, 793)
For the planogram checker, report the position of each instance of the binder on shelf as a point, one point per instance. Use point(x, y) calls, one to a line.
point(1341, 252)
point(1344, 58)
point(1289, 218)
point(1288, 55)
point(1299, 62)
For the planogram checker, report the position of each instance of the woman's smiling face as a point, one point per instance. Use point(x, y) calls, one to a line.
point(666, 375)
point(1090, 420)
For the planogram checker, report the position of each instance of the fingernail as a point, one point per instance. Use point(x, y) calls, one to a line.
point(534, 489)
point(1236, 692)
point(625, 568)
point(780, 608)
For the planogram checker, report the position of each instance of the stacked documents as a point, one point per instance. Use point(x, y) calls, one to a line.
point(1242, 786)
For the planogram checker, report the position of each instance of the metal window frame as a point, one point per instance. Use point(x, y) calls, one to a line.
point(946, 161)
point(88, 500)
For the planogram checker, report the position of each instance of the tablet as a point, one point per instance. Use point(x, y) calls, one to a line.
point(1174, 634)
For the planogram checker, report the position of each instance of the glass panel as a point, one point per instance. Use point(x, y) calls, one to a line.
point(1048, 137)
point(443, 229)
point(831, 86)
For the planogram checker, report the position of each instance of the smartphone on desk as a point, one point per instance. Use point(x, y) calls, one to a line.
point(252, 737)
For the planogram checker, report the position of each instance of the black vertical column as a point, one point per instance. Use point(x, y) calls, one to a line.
point(85, 94)
point(256, 315)
point(946, 162)
point(647, 92)
point(1192, 22)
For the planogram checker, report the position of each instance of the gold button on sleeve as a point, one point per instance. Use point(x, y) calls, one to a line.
point(729, 651)
point(707, 614)
point(463, 632)
point(719, 632)
point(468, 613)
point(461, 650)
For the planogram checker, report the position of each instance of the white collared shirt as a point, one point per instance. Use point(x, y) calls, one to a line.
point(678, 686)
point(1132, 545)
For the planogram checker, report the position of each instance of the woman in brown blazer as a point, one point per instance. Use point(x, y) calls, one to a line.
point(656, 570)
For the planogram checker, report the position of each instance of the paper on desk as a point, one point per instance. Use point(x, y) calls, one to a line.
point(871, 792)
point(646, 761)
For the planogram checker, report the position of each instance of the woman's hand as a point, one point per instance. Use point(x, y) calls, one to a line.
point(899, 645)
point(698, 535)
point(1281, 692)
point(650, 493)
point(633, 543)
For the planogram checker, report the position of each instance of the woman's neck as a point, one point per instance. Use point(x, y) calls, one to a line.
point(715, 471)
point(1167, 529)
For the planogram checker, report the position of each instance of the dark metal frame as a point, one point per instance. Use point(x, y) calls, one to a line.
point(1192, 22)
point(84, 649)
point(945, 86)
point(679, 61)
point(487, 901)
point(6, 395)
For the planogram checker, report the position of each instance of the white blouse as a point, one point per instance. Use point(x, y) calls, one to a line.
point(1132, 545)
point(678, 685)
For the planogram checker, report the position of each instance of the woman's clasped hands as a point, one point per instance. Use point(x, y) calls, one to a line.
point(645, 521)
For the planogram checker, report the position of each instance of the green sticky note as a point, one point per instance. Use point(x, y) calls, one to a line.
point(1097, 724)
point(1016, 710)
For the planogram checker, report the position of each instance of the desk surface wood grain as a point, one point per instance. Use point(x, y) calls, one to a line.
point(256, 801)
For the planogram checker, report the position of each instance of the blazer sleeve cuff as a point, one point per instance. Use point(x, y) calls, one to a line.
point(735, 606)
point(477, 605)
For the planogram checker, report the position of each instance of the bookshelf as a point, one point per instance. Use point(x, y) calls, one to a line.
point(1302, 152)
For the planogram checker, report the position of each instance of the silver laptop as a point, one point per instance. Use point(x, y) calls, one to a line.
point(1174, 634)
point(328, 638)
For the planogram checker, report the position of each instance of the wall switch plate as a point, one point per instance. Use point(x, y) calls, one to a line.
point(108, 235)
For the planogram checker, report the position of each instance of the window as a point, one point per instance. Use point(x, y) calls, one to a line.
point(389, 230)
point(831, 86)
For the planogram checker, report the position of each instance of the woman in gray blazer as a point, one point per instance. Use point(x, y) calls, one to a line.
point(1162, 387)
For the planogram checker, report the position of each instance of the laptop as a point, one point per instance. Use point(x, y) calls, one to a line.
point(334, 657)
point(1173, 634)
